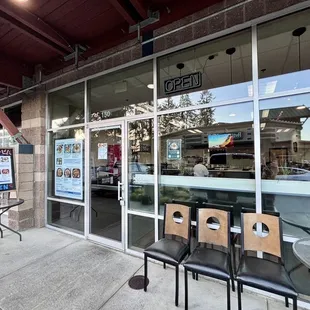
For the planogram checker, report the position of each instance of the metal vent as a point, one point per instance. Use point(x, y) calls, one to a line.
point(137, 282)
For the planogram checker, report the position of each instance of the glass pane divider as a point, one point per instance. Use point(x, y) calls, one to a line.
point(65, 231)
point(125, 182)
point(256, 122)
point(143, 214)
point(72, 202)
point(87, 177)
point(66, 127)
point(207, 105)
point(156, 146)
point(46, 157)
point(86, 102)
point(286, 93)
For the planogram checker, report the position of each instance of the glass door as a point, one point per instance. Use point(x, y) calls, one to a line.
point(106, 201)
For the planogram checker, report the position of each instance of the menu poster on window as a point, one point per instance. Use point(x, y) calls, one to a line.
point(69, 168)
point(102, 151)
point(7, 173)
point(174, 149)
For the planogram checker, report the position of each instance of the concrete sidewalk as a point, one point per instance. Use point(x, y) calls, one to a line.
point(49, 270)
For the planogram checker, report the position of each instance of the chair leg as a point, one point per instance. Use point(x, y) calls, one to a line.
point(193, 273)
point(239, 296)
point(145, 273)
point(176, 285)
point(241, 285)
point(232, 276)
point(186, 288)
point(286, 302)
point(234, 259)
point(295, 303)
point(228, 295)
point(196, 276)
point(164, 265)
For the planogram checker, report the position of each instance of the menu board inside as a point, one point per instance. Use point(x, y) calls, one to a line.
point(7, 174)
point(69, 168)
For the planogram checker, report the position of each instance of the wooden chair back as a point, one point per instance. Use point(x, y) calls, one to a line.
point(177, 220)
point(220, 236)
point(268, 242)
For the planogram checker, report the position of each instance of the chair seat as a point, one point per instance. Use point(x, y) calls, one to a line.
point(266, 275)
point(168, 251)
point(209, 262)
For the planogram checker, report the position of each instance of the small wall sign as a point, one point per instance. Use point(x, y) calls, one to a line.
point(174, 149)
point(182, 83)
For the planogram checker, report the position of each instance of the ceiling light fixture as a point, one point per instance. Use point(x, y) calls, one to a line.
point(279, 130)
point(198, 131)
point(150, 86)
point(302, 107)
point(191, 131)
point(287, 130)
point(232, 114)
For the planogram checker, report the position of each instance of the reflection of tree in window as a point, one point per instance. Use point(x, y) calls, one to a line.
point(187, 119)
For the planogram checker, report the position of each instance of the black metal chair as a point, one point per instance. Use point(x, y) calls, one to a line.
point(174, 247)
point(233, 236)
point(211, 262)
point(263, 233)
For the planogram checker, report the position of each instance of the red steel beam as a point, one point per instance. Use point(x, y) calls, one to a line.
point(11, 128)
point(33, 26)
point(122, 10)
point(11, 72)
point(140, 8)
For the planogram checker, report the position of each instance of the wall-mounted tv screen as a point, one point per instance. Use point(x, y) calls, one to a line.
point(222, 140)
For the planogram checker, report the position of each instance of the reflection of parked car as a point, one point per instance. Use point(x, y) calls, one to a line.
point(297, 174)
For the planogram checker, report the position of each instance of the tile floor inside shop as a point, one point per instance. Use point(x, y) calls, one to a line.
point(52, 270)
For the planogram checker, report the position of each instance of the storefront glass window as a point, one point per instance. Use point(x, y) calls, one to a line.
point(141, 232)
point(123, 93)
point(220, 70)
point(283, 54)
point(300, 276)
point(66, 164)
point(66, 106)
point(141, 166)
point(201, 151)
point(285, 156)
point(66, 215)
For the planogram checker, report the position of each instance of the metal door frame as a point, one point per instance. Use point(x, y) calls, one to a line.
point(103, 125)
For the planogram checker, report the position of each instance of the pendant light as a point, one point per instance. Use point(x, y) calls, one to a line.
point(180, 66)
point(298, 33)
point(230, 52)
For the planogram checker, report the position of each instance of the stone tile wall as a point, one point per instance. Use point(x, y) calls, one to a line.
point(34, 130)
point(22, 217)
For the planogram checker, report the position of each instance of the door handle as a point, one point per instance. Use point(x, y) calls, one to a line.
point(119, 196)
